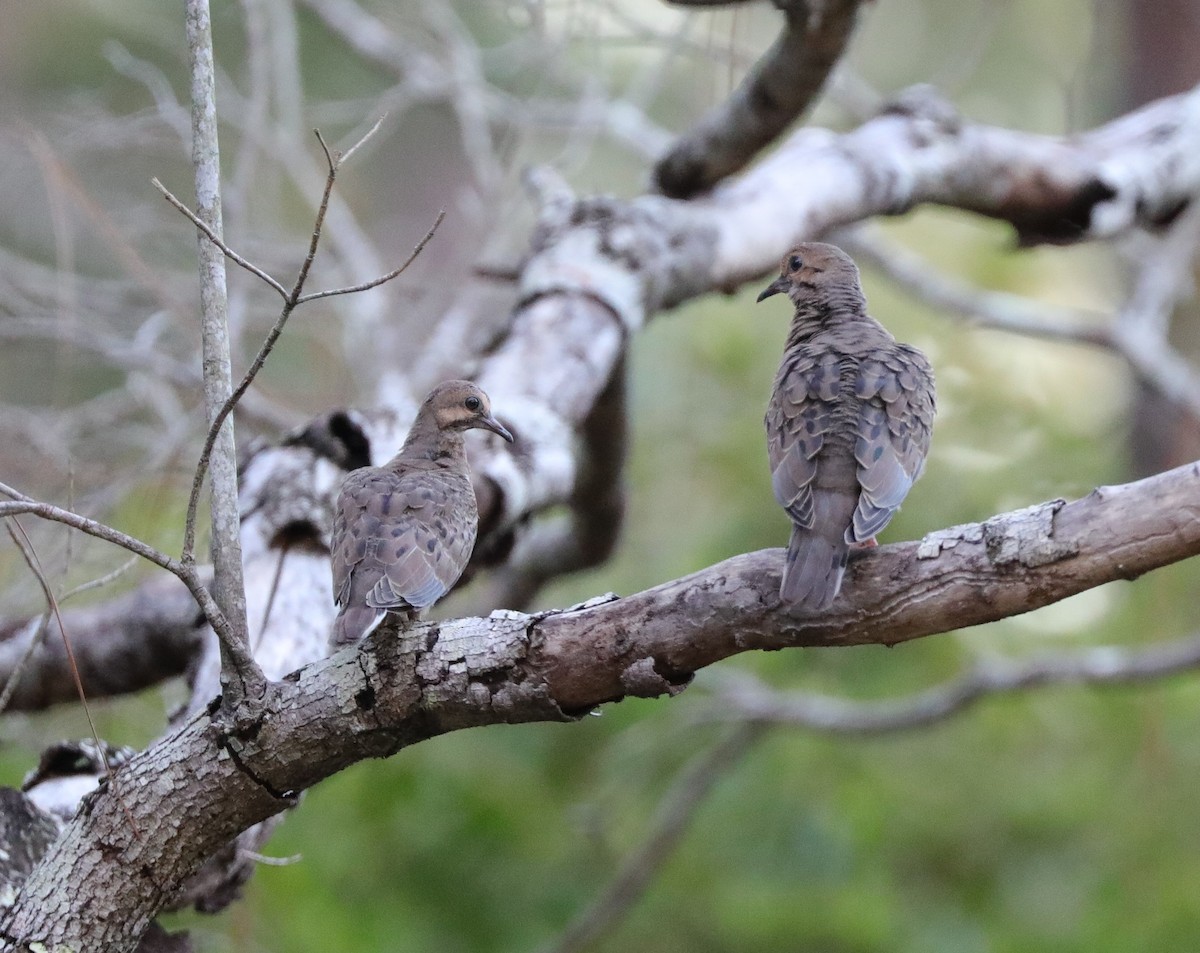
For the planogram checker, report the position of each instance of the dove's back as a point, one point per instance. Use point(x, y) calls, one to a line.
point(848, 423)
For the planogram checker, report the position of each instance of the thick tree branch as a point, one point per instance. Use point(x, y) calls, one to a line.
point(133, 641)
point(200, 786)
point(601, 268)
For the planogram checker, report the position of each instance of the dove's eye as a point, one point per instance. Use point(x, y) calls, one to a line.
point(472, 403)
point(794, 263)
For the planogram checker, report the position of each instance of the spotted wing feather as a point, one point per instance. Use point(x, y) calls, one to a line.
point(896, 391)
point(798, 418)
point(401, 540)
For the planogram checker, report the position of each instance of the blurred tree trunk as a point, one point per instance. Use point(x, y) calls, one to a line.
point(1162, 39)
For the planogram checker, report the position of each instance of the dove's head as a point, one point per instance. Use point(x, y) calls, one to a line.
point(461, 405)
point(816, 274)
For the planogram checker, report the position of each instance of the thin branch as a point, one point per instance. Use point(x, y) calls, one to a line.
point(186, 574)
point(420, 247)
point(14, 677)
point(29, 554)
point(330, 160)
point(242, 680)
point(988, 309)
point(1135, 334)
point(293, 297)
point(100, 581)
point(744, 697)
point(671, 822)
point(216, 240)
point(345, 156)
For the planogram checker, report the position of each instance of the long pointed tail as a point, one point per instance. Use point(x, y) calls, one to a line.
point(813, 574)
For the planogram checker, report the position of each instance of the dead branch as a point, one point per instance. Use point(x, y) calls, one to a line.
point(779, 88)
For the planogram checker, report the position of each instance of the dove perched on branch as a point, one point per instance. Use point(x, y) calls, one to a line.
point(403, 532)
point(848, 423)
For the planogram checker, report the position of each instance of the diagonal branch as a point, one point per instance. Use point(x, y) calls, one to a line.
point(668, 827)
point(216, 239)
point(778, 89)
point(188, 575)
point(200, 786)
point(1134, 333)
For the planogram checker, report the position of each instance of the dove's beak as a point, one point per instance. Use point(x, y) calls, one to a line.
point(775, 287)
point(491, 423)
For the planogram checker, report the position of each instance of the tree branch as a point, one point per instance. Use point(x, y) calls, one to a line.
point(774, 94)
point(242, 679)
point(667, 829)
point(742, 697)
point(201, 785)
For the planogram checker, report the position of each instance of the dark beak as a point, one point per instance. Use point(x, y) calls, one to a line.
point(491, 423)
point(774, 288)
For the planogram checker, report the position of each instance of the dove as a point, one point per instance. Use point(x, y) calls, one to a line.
point(403, 532)
point(848, 423)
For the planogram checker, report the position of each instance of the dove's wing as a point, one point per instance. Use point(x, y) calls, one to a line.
point(798, 418)
point(895, 387)
point(406, 538)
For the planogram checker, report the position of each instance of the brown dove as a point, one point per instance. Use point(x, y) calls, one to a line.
point(848, 423)
point(403, 532)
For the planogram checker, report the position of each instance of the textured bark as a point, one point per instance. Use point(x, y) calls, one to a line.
point(183, 799)
point(228, 585)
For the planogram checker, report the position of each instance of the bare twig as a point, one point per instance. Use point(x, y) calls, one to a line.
point(100, 581)
point(185, 573)
point(345, 156)
point(375, 282)
point(672, 819)
point(29, 554)
point(216, 239)
point(744, 697)
point(292, 300)
point(14, 677)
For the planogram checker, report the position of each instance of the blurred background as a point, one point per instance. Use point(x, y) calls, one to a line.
point(1063, 819)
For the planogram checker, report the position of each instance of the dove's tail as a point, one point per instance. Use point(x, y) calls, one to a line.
point(353, 623)
point(813, 573)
